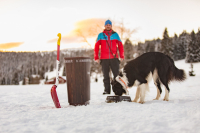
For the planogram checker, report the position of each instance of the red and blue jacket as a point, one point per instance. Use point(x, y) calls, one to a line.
point(112, 39)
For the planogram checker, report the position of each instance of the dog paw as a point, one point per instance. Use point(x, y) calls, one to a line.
point(141, 102)
point(156, 99)
point(165, 99)
point(134, 101)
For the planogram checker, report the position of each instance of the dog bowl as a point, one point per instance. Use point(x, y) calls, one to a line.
point(116, 99)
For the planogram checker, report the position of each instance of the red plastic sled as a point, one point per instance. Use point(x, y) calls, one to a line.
point(55, 96)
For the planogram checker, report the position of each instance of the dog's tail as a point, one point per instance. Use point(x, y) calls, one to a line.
point(175, 73)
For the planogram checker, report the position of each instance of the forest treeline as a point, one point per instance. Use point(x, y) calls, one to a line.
point(15, 66)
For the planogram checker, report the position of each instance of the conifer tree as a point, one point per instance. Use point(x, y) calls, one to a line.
point(167, 46)
point(34, 70)
point(150, 46)
point(128, 50)
point(175, 43)
point(8, 81)
point(192, 55)
point(140, 49)
point(147, 47)
point(3, 81)
point(183, 42)
point(15, 80)
point(198, 45)
point(30, 71)
point(51, 68)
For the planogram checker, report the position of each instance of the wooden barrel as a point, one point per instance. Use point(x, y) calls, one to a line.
point(78, 80)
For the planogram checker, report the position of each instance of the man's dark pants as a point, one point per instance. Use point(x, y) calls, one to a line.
point(108, 64)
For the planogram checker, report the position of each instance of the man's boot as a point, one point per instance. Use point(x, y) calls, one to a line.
point(105, 93)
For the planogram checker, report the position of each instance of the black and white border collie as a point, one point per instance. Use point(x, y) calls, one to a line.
point(140, 71)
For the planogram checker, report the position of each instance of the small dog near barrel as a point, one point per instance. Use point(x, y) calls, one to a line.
point(140, 71)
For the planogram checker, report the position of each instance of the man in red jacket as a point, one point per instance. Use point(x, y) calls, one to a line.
point(108, 41)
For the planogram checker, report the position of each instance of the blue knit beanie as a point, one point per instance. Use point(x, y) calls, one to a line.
point(108, 22)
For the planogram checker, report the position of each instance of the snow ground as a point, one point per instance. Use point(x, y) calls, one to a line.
point(29, 108)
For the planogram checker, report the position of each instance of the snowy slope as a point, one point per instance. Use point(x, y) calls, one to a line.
point(29, 108)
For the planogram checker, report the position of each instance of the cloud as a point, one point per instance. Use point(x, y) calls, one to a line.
point(87, 28)
point(90, 27)
point(67, 39)
point(10, 45)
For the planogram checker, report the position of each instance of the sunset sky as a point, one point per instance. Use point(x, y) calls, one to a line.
point(33, 25)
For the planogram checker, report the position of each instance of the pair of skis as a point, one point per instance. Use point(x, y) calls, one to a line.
point(53, 88)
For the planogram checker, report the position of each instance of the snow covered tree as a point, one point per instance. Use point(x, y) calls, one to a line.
point(192, 49)
point(30, 71)
point(3, 82)
point(157, 44)
point(41, 73)
point(51, 68)
point(183, 42)
point(150, 46)
point(166, 44)
point(47, 69)
point(34, 70)
point(140, 49)
point(15, 80)
point(198, 45)
point(128, 50)
point(8, 81)
point(175, 43)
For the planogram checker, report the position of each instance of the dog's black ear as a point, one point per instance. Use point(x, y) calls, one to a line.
point(120, 74)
